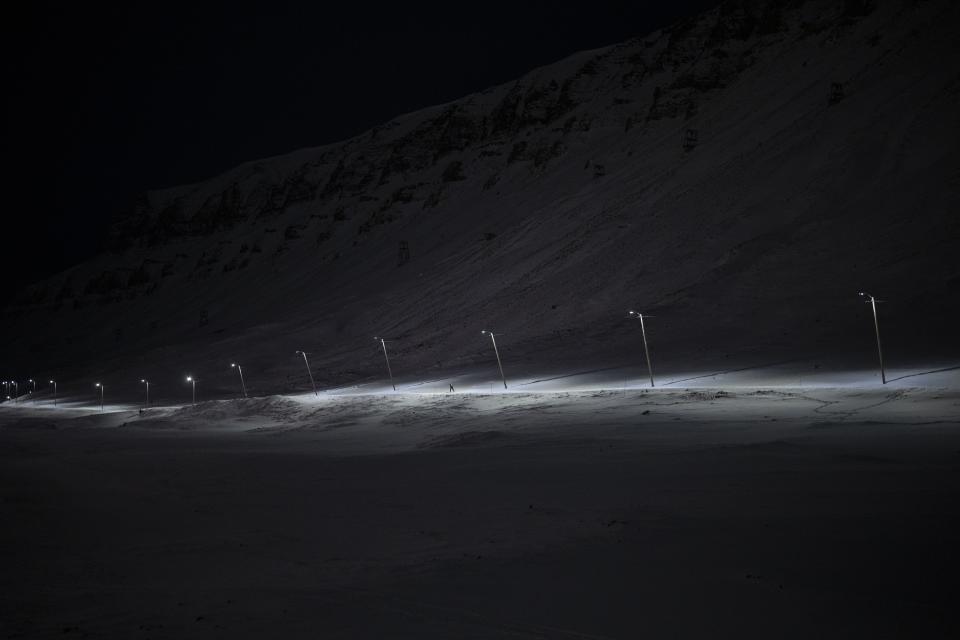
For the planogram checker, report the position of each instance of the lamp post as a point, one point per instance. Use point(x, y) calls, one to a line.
point(643, 333)
point(193, 382)
point(100, 386)
point(876, 327)
point(497, 352)
point(309, 373)
point(32, 392)
point(16, 391)
point(242, 385)
point(383, 343)
point(54, 383)
point(146, 404)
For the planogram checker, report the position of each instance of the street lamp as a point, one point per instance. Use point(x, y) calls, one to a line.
point(16, 391)
point(31, 381)
point(876, 327)
point(643, 332)
point(147, 403)
point(494, 340)
point(54, 383)
point(309, 373)
point(242, 385)
point(383, 343)
point(100, 386)
point(193, 382)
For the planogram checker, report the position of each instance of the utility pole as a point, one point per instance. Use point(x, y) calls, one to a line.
point(497, 352)
point(646, 350)
point(309, 373)
point(876, 327)
point(243, 386)
point(383, 343)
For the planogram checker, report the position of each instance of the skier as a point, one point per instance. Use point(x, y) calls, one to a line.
point(452, 390)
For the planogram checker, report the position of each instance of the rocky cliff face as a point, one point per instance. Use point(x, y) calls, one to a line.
point(744, 171)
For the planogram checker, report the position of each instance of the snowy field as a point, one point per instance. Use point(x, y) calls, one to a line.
point(825, 510)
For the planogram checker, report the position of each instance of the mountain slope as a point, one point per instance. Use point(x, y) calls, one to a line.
point(546, 207)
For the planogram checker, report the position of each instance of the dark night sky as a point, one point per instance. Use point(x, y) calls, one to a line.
point(103, 104)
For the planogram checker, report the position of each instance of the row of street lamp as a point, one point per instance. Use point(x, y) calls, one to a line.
point(193, 387)
point(646, 349)
point(101, 388)
point(12, 384)
point(643, 332)
point(8, 384)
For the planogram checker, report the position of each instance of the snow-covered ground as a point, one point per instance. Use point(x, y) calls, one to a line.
point(827, 510)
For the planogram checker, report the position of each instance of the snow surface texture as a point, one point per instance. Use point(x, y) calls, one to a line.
point(791, 513)
point(545, 208)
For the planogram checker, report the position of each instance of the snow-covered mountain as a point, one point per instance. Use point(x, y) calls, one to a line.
point(740, 175)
